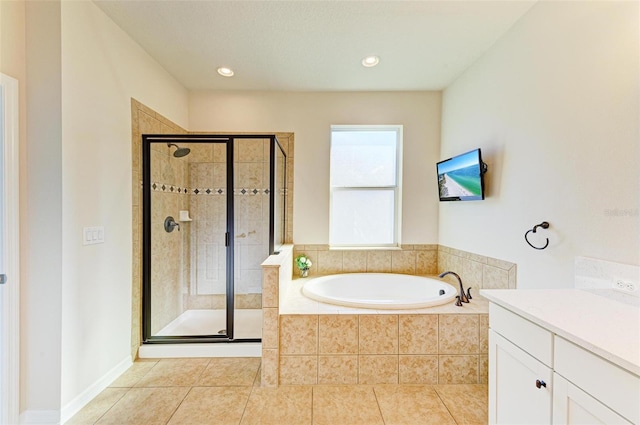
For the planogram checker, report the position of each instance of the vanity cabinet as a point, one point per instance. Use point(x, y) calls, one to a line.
point(539, 377)
point(520, 374)
point(590, 390)
point(572, 406)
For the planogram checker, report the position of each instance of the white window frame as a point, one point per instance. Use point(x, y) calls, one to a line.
point(397, 188)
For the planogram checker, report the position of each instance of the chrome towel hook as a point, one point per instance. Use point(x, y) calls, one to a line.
point(544, 225)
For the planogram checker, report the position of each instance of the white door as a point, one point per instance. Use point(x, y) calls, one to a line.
point(572, 406)
point(9, 277)
point(519, 385)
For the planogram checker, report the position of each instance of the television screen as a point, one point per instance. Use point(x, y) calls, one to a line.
point(461, 178)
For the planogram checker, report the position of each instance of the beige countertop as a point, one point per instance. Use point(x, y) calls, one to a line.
point(608, 328)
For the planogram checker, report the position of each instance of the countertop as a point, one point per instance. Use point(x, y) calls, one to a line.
point(608, 328)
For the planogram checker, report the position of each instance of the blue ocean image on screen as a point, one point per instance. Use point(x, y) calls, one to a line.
point(460, 177)
point(469, 178)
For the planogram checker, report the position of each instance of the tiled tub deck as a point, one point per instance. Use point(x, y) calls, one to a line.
point(306, 342)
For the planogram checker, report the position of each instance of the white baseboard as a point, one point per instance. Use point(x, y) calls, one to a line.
point(75, 405)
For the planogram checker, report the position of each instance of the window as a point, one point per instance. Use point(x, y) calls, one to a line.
point(365, 186)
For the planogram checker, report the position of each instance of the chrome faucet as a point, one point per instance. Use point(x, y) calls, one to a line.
point(462, 297)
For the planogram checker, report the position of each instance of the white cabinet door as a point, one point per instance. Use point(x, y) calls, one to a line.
point(572, 406)
point(519, 385)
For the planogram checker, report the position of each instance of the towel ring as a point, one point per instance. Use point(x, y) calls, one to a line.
point(544, 225)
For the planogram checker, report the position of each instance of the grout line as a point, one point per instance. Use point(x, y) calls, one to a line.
point(202, 371)
point(434, 387)
point(312, 391)
point(106, 411)
point(179, 404)
point(375, 395)
point(244, 410)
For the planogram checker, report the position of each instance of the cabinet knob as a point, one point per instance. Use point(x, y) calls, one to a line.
point(540, 384)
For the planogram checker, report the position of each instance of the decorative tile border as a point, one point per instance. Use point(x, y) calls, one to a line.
point(169, 188)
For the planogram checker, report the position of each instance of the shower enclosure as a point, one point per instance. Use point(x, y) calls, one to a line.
point(213, 211)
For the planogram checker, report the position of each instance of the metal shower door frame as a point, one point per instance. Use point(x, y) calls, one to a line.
point(228, 139)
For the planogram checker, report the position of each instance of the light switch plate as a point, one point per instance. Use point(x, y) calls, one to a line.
point(92, 235)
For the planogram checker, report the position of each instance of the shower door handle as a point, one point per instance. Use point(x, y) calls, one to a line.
point(3, 279)
point(226, 239)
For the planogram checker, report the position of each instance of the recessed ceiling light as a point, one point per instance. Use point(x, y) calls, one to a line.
point(225, 72)
point(370, 61)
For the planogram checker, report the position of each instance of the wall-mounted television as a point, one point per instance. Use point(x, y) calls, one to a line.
point(461, 178)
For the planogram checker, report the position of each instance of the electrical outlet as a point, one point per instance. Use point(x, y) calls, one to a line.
point(625, 286)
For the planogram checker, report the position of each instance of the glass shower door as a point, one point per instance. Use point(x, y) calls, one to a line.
point(189, 262)
point(251, 231)
point(208, 224)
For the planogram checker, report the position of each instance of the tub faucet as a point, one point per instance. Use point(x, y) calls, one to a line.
point(462, 297)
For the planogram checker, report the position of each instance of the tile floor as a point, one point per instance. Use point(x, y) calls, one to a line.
point(203, 391)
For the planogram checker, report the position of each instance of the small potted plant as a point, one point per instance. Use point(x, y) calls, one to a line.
point(304, 264)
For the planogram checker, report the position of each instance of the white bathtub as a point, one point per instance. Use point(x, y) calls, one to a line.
point(379, 290)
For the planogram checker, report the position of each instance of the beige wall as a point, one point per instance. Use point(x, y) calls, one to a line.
point(310, 116)
point(554, 107)
point(42, 285)
point(82, 72)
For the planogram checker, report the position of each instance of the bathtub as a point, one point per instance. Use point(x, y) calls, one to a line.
point(379, 290)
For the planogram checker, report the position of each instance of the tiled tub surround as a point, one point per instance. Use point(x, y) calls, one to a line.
point(476, 271)
point(438, 345)
point(306, 342)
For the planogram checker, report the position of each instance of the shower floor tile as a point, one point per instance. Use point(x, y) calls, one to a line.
point(196, 391)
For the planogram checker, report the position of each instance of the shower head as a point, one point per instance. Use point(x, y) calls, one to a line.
point(180, 152)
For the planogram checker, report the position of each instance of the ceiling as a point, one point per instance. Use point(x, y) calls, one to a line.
point(304, 45)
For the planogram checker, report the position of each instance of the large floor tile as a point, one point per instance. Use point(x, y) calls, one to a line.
point(353, 405)
point(98, 406)
point(145, 406)
point(275, 406)
point(411, 404)
point(230, 371)
point(212, 405)
point(134, 374)
point(174, 372)
point(258, 381)
point(467, 403)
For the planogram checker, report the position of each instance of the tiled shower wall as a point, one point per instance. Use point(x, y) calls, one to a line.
point(209, 201)
point(143, 121)
point(171, 261)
